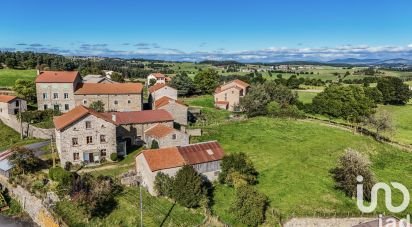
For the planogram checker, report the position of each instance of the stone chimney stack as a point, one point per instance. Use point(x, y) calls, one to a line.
point(38, 72)
point(114, 117)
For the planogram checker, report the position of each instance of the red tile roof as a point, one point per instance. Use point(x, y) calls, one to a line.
point(158, 75)
point(57, 77)
point(236, 84)
point(156, 87)
point(164, 158)
point(75, 114)
point(240, 82)
point(172, 157)
point(159, 131)
point(166, 100)
point(141, 117)
point(7, 98)
point(109, 89)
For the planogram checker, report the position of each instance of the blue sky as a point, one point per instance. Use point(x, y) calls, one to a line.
point(195, 30)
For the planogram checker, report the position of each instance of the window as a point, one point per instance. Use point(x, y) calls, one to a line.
point(17, 103)
point(103, 152)
point(1, 110)
point(89, 139)
point(225, 96)
point(56, 107)
point(76, 156)
point(174, 136)
point(128, 101)
point(88, 125)
point(55, 95)
point(102, 138)
point(75, 141)
point(115, 102)
point(84, 102)
point(66, 106)
point(66, 95)
point(45, 107)
point(44, 95)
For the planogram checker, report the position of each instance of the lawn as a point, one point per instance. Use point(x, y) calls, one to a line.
point(200, 101)
point(294, 159)
point(9, 76)
point(10, 138)
point(156, 212)
point(402, 121)
point(306, 97)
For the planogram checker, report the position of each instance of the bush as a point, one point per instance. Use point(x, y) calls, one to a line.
point(240, 163)
point(249, 206)
point(68, 166)
point(60, 175)
point(114, 157)
point(351, 165)
point(163, 184)
point(188, 189)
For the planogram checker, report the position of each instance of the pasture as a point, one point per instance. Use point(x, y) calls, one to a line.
point(9, 76)
point(294, 159)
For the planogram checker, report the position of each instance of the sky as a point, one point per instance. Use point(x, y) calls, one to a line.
point(248, 31)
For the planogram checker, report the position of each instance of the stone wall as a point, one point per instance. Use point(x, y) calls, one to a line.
point(125, 102)
point(28, 130)
point(325, 222)
point(32, 205)
point(178, 111)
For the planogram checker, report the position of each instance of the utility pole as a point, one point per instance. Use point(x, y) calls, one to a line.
point(52, 151)
point(141, 206)
point(21, 120)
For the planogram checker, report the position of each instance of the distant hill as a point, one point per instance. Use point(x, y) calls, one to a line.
point(356, 61)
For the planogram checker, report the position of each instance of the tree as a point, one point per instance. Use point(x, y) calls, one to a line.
point(117, 77)
point(11, 63)
point(97, 106)
point(163, 184)
point(351, 165)
point(374, 94)
point(280, 93)
point(347, 102)
point(25, 89)
point(155, 145)
point(188, 189)
point(381, 121)
point(152, 82)
point(255, 101)
point(183, 83)
point(23, 160)
point(394, 91)
point(206, 81)
point(249, 206)
point(240, 163)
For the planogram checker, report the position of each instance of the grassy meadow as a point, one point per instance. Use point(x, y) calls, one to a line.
point(9, 76)
point(294, 159)
point(402, 121)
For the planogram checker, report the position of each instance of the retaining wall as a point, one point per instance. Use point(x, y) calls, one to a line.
point(28, 130)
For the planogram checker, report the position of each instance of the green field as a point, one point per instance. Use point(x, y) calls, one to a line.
point(10, 138)
point(9, 76)
point(402, 121)
point(306, 97)
point(156, 212)
point(294, 159)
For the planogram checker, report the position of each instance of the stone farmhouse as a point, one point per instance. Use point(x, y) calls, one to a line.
point(116, 97)
point(11, 105)
point(159, 77)
point(166, 136)
point(84, 136)
point(176, 108)
point(204, 157)
point(158, 91)
point(228, 95)
point(64, 91)
point(132, 125)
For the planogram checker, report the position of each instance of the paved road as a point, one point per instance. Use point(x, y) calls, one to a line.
point(36, 147)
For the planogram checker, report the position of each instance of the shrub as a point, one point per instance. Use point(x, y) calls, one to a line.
point(240, 163)
point(163, 184)
point(351, 165)
point(249, 206)
point(60, 175)
point(68, 166)
point(188, 189)
point(114, 157)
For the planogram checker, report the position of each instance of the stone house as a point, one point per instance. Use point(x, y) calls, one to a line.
point(228, 95)
point(116, 97)
point(158, 91)
point(177, 109)
point(159, 77)
point(204, 157)
point(165, 136)
point(55, 89)
point(11, 105)
point(132, 125)
point(84, 136)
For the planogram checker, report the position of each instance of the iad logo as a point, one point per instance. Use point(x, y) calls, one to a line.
point(388, 196)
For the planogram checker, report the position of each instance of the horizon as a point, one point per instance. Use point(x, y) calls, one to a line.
point(223, 31)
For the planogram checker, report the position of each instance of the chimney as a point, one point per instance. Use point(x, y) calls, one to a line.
point(38, 72)
point(114, 117)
